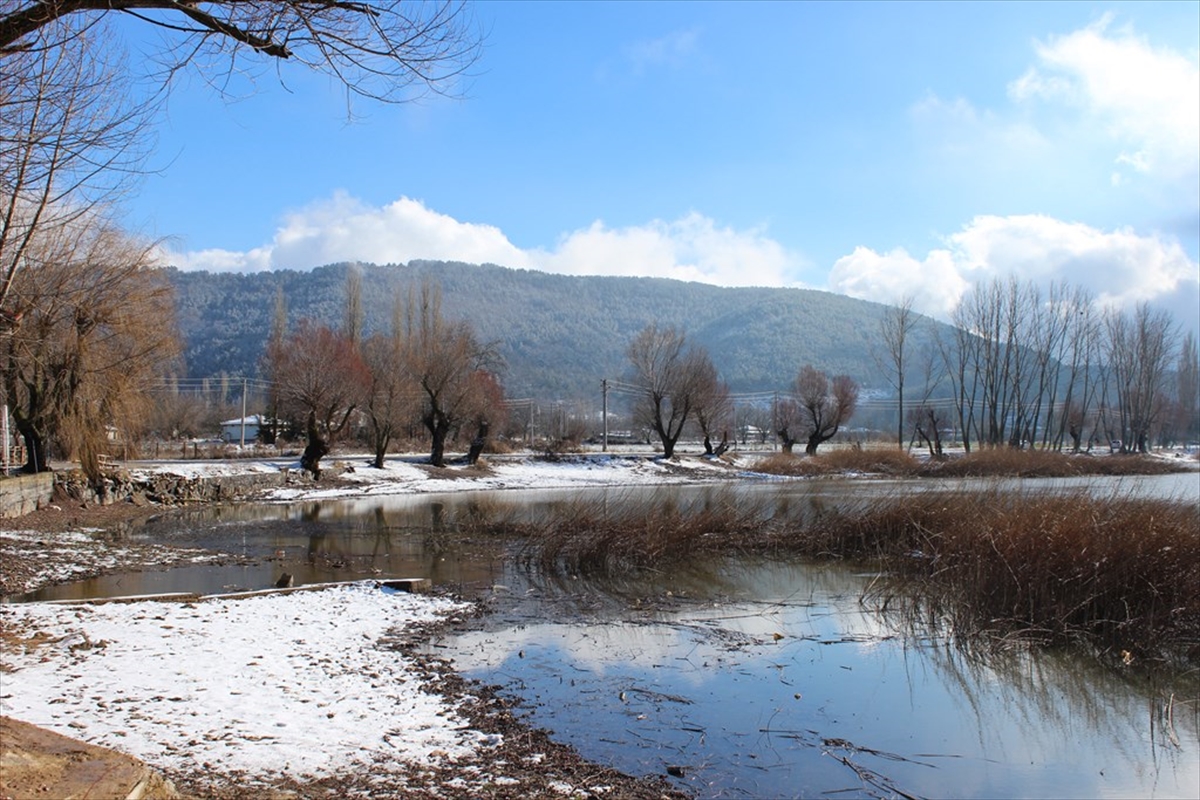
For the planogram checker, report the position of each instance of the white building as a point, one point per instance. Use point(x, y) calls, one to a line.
point(231, 429)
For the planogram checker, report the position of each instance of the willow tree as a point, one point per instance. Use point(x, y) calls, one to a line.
point(451, 369)
point(74, 107)
point(824, 405)
point(673, 379)
point(321, 380)
point(94, 327)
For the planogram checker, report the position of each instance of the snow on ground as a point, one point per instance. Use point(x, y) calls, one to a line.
point(356, 477)
point(280, 684)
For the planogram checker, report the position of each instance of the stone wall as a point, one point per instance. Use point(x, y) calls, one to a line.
point(23, 494)
point(168, 490)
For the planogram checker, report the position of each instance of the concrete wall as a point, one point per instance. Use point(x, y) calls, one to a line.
point(24, 494)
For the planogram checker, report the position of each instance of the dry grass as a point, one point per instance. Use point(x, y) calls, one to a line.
point(1010, 462)
point(1120, 573)
point(611, 539)
point(880, 461)
point(991, 462)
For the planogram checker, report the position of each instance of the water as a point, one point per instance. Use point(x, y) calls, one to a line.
point(777, 683)
point(737, 677)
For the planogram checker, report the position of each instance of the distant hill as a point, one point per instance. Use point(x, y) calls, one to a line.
point(560, 335)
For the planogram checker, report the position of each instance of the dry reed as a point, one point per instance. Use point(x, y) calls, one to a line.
point(988, 462)
point(1121, 573)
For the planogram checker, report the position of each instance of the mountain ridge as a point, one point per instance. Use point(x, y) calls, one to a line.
point(558, 334)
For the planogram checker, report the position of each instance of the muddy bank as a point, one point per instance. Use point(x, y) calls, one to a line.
point(38, 763)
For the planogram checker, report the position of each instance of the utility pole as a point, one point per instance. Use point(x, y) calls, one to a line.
point(604, 413)
point(243, 413)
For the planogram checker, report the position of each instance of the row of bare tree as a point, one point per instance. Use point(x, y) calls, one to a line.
point(675, 383)
point(1050, 368)
point(85, 321)
point(427, 370)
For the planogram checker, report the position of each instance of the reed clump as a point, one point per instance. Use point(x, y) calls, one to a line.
point(993, 462)
point(596, 538)
point(886, 461)
point(1121, 573)
point(1032, 463)
point(881, 461)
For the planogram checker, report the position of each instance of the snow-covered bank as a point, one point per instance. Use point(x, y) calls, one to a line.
point(353, 474)
point(292, 685)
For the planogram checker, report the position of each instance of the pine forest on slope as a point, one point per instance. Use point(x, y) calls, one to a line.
point(559, 335)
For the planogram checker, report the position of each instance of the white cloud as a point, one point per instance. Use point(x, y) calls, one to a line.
point(934, 283)
point(1120, 267)
point(343, 228)
point(692, 248)
point(1146, 98)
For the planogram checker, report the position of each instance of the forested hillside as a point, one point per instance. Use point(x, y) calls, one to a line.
point(558, 334)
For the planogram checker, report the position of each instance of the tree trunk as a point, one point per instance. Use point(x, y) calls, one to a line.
point(35, 450)
point(437, 450)
point(477, 443)
point(786, 440)
point(316, 449)
point(381, 446)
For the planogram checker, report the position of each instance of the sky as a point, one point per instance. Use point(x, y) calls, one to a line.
point(876, 150)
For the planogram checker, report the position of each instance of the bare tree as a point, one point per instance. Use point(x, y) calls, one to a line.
point(713, 406)
point(96, 326)
point(175, 414)
point(391, 400)
point(385, 50)
point(321, 380)
point(824, 406)
point(73, 129)
point(70, 140)
point(895, 329)
point(1140, 349)
point(927, 421)
point(1188, 393)
point(788, 422)
point(672, 379)
point(279, 328)
point(447, 361)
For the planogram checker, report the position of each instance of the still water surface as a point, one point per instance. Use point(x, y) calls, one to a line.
point(738, 677)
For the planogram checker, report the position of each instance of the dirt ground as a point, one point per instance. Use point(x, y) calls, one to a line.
point(36, 763)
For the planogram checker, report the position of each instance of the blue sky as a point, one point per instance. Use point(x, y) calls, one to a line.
point(872, 149)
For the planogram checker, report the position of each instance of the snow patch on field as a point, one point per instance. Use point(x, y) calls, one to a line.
point(252, 688)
